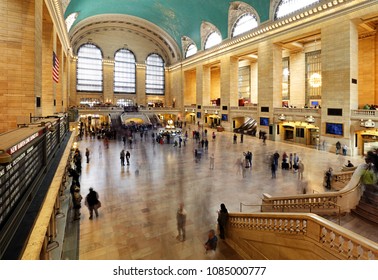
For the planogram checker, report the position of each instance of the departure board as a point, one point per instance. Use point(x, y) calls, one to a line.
point(17, 176)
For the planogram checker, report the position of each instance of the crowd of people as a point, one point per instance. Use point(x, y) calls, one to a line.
point(200, 144)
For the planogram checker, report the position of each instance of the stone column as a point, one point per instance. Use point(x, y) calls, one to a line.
point(270, 81)
point(108, 80)
point(339, 79)
point(297, 79)
point(228, 87)
point(203, 75)
point(141, 98)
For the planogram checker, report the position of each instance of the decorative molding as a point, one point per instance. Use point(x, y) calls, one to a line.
point(140, 27)
point(236, 10)
point(55, 9)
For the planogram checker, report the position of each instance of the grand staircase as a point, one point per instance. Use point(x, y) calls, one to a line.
point(367, 207)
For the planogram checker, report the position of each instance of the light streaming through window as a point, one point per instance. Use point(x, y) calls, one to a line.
point(191, 50)
point(287, 7)
point(124, 72)
point(89, 68)
point(155, 74)
point(245, 23)
point(212, 40)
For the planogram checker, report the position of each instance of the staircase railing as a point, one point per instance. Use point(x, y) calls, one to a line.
point(305, 207)
point(295, 236)
point(320, 203)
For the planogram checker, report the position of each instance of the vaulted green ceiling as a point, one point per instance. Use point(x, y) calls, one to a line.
point(177, 17)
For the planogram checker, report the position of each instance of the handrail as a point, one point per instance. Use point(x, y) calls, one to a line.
point(331, 239)
point(296, 204)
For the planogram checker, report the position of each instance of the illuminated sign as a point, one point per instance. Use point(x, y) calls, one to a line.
point(24, 142)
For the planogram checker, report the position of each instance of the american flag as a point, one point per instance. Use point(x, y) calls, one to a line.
point(55, 68)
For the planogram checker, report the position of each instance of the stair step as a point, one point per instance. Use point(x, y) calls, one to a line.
point(365, 215)
point(370, 198)
point(368, 207)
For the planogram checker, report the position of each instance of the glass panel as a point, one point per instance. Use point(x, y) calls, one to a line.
point(285, 78)
point(244, 84)
point(155, 81)
point(124, 72)
point(287, 7)
point(191, 50)
point(245, 23)
point(212, 40)
point(89, 69)
point(313, 75)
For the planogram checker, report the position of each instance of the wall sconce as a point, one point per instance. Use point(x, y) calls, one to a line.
point(206, 111)
point(310, 119)
point(186, 110)
point(216, 112)
point(193, 111)
point(282, 117)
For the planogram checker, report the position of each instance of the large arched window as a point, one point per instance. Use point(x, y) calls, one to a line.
point(89, 68)
point(212, 40)
point(244, 23)
point(287, 7)
point(191, 50)
point(155, 74)
point(124, 72)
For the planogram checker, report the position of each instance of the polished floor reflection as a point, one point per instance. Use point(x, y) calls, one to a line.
point(137, 219)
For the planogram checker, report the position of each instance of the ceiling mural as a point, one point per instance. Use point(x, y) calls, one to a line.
point(176, 17)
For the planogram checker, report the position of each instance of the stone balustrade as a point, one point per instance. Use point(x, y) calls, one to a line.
point(361, 113)
point(292, 235)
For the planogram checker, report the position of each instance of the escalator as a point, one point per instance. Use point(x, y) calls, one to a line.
point(248, 127)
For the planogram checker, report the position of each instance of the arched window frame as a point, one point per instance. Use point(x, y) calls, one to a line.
point(238, 21)
point(89, 77)
point(297, 5)
point(206, 44)
point(189, 52)
point(70, 20)
point(155, 75)
point(207, 29)
point(125, 77)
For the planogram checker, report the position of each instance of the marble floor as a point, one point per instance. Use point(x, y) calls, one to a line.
point(137, 219)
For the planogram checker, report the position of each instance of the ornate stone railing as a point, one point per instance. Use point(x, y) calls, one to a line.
point(297, 111)
point(323, 203)
point(361, 113)
point(303, 203)
point(343, 176)
point(244, 108)
point(295, 236)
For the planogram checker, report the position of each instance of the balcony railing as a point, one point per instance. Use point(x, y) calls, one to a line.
point(361, 113)
point(298, 111)
point(244, 108)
